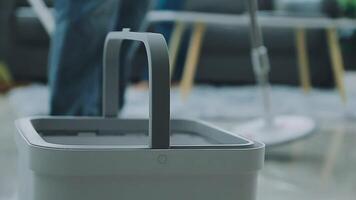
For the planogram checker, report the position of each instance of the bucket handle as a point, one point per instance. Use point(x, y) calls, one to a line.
point(159, 83)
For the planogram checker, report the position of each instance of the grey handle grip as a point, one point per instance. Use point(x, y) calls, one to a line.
point(159, 83)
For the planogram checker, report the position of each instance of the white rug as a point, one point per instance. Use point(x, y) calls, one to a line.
point(208, 102)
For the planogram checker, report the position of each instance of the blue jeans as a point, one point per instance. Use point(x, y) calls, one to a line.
point(166, 28)
point(75, 62)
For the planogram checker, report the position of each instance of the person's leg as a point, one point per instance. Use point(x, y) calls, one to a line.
point(131, 15)
point(165, 28)
point(75, 65)
point(77, 46)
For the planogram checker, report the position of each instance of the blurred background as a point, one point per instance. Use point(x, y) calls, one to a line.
point(312, 53)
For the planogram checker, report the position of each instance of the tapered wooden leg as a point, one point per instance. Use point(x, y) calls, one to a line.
point(337, 62)
point(192, 59)
point(5, 76)
point(174, 44)
point(303, 59)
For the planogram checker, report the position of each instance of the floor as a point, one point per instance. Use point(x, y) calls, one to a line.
point(7, 151)
point(322, 166)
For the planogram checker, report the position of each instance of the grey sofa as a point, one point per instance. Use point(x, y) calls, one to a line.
point(27, 44)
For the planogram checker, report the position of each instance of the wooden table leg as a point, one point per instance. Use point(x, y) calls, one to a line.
point(303, 59)
point(174, 44)
point(192, 59)
point(5, 76)
point(337, 62)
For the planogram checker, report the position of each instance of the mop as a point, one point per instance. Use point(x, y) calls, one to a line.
point(44, 14)
point(272, 130)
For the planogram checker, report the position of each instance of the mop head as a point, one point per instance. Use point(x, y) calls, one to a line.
point(284, 129)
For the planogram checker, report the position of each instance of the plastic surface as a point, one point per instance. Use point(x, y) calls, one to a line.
point(159, 82)
point(92, 158)
point(73, 163)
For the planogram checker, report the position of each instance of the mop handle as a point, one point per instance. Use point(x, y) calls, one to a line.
point(44, 14)
point(260, 60)
point(255, 31)
point(259, 53)
point(159, 84)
